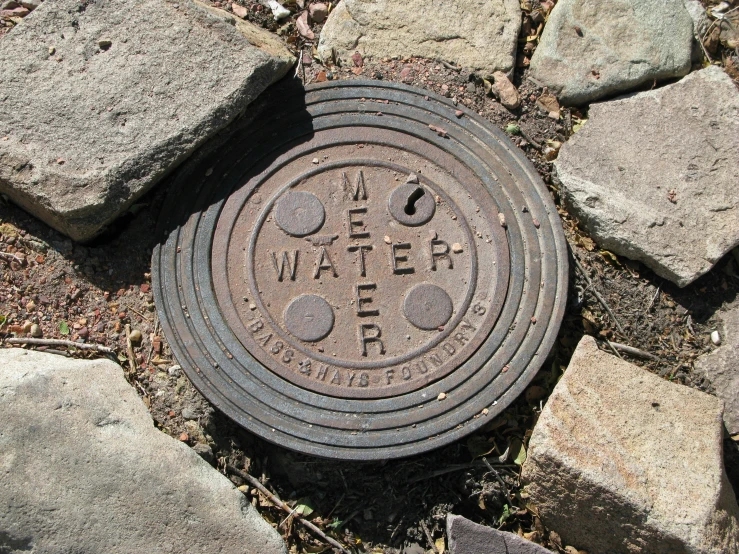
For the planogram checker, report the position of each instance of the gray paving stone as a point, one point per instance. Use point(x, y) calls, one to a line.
point(591, 49)
point(84, 470)
point(624, 462)
point(466, 537)
point(100, 100)
point(653, 176)
point(477, 34)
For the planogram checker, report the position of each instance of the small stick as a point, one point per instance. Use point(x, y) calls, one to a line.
point(280, 504)
point(58, 342)
point(7, 256)
point(288, 517)
point(615, 351)
point(450, 66)
point(429, 537)
point(632, 351)
point(595, 292)
point(138, 313)
point(129, 349)
point(439, 472)
point(397, 528)
point(531, 140)
point(143, 391)
point(500, 480)
point(651, 303)
point(299, 64)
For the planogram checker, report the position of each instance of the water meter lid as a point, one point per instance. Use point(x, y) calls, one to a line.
point(363, 270)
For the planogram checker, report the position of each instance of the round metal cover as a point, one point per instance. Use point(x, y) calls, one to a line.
point(364, 271)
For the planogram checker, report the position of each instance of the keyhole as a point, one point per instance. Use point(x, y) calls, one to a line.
point(416, 195)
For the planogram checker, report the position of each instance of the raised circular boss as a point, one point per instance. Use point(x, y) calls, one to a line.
point(335, 269)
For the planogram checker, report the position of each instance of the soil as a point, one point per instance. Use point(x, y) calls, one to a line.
point(90, 293)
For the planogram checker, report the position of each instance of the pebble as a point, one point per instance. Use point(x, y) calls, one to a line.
point(715, 338)
point(136, 336)
point(316, 161)
point(278, 10)
point(31, 306)
point(189, 413)
point(174, 371)
point(239, 10)
point(318, 12)
point(304, 27)
point(27, 327)
point(456, 248)
point(84, 332)
point(36, 330)
point(442, 396)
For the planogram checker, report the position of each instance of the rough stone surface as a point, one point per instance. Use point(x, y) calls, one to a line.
point(98, 101)
point(477, 34)
point(654, 176)
point(699, 16)
point(466, 537)
point(506, 91)
point(622, 461)
point(591, 49)
point(721, 367)
point(84, 470)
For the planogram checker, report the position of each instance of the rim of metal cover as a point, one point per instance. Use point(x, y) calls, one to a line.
point(355, 428)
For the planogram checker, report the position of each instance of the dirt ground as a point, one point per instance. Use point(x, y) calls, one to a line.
point(91, 293)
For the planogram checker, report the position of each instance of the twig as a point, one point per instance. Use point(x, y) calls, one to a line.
point(343, 494)
point(354, 514)
point(428, 536)
point(142, 389)
point(299, 64)
point(58, 342)
point(7, 256)
point(689, 324)
point(615, 351)
point(295, 509)
point(138, 313)
point(397, 528)
point(280, 504)
point(151, 346)
point(651, 303)
point(531, 140)
point(568, 121)
point(597, 295)
point(450, 66)
point(129, 349)
point(632, 351)
point(439, 472)
point(500, 480)
point(705, 52)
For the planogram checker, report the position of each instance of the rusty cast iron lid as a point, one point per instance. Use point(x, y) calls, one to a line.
point(363, 271)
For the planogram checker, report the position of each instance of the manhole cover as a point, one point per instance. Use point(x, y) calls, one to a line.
point(362, 272)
